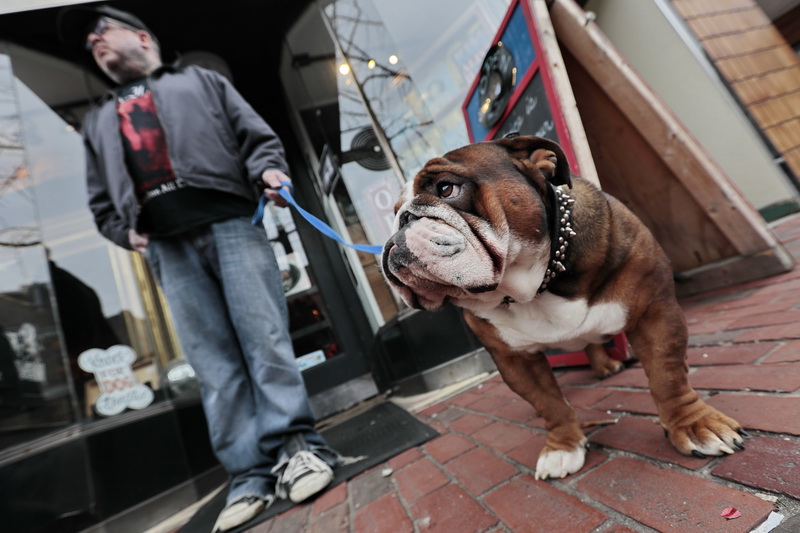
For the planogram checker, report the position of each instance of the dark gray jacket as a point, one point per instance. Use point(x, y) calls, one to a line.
point(214, 137)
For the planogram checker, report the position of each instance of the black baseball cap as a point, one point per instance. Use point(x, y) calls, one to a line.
point(74, 23)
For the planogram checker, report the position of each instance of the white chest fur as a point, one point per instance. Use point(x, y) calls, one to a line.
point(550, 321)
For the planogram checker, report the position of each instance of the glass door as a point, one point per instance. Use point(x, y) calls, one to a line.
point(375, 91)
point(330, 332)
point(313, 335)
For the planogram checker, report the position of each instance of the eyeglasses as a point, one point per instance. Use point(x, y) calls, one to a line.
point(102, 25)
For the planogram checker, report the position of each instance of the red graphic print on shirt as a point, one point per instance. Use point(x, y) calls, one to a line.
point(145, 143)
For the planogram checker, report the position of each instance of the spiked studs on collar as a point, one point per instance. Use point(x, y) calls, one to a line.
point(561, 233)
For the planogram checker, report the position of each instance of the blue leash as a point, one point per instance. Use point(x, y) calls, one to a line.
point(314, 221)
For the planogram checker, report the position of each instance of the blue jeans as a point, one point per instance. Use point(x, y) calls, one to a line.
point(226, 298)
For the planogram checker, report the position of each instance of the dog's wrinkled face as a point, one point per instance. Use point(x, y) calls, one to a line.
point(471, 227)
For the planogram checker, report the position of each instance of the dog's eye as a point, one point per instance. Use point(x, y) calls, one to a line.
point(448, 190)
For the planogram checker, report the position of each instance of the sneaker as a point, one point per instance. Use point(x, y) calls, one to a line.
point(238, 512)
point(304, 475)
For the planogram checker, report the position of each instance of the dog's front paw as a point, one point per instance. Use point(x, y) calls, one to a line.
point(706, 431)
point(557, 464)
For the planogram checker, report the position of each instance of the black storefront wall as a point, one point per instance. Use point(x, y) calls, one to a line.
point(100, 475)
point(415, 342)
point(47, 488)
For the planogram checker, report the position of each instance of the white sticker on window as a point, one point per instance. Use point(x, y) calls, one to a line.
point(119, 388)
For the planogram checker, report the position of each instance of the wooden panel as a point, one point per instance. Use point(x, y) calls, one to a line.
point(632, 171)
point(751, 90)
point(729, 272)
point(770, 86)
point(689, 163)
point(563, 88)
point(648, 159)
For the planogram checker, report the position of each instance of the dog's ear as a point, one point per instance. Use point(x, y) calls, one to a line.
point(546, 155)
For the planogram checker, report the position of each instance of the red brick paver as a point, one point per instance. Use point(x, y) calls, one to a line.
point(528, 506)
point(668, 500)
point(502, 437)
point(480, 470)
point(448, 447)
point(770, 378)
point(335, 519)
point(330, 499)
point(451, 509)
point(728, 355)
point(477, 476)
point(384, 515)
point(471, 423)
point(787, 353)
point(645, 437)
point(778, 413)
point(418, 479)
point(770, 464)
point(629, 402)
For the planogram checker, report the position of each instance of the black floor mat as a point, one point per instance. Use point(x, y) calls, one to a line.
point(379, 434)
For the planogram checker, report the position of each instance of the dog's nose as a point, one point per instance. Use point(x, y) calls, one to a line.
point(406, 218)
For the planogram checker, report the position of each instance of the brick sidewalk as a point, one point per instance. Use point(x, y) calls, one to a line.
point(478, 474)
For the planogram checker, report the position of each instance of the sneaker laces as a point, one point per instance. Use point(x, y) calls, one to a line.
point(301, 464)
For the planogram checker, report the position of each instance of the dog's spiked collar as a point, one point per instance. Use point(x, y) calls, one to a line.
point(561, 232)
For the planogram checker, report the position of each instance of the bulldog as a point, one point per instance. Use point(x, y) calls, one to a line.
point(541, 259)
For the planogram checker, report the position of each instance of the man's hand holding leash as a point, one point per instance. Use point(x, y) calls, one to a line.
point(272, 179)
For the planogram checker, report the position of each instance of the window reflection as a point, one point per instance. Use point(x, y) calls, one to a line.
point(63, 289)
point(381, 89)
point(385, 300)
point(83, 324)
point(34, 392)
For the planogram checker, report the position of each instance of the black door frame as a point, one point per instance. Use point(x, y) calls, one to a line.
point(336, 283)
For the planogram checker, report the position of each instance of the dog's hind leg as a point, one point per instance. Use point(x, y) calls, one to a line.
point(602, 365)
point(694, 427)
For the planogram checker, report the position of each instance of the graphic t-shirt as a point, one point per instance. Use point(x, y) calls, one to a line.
point(169, 206)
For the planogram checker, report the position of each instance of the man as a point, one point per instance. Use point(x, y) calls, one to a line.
point(176, 160)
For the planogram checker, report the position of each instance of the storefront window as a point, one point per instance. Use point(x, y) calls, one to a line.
point(379, 87)
point(64, 289)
